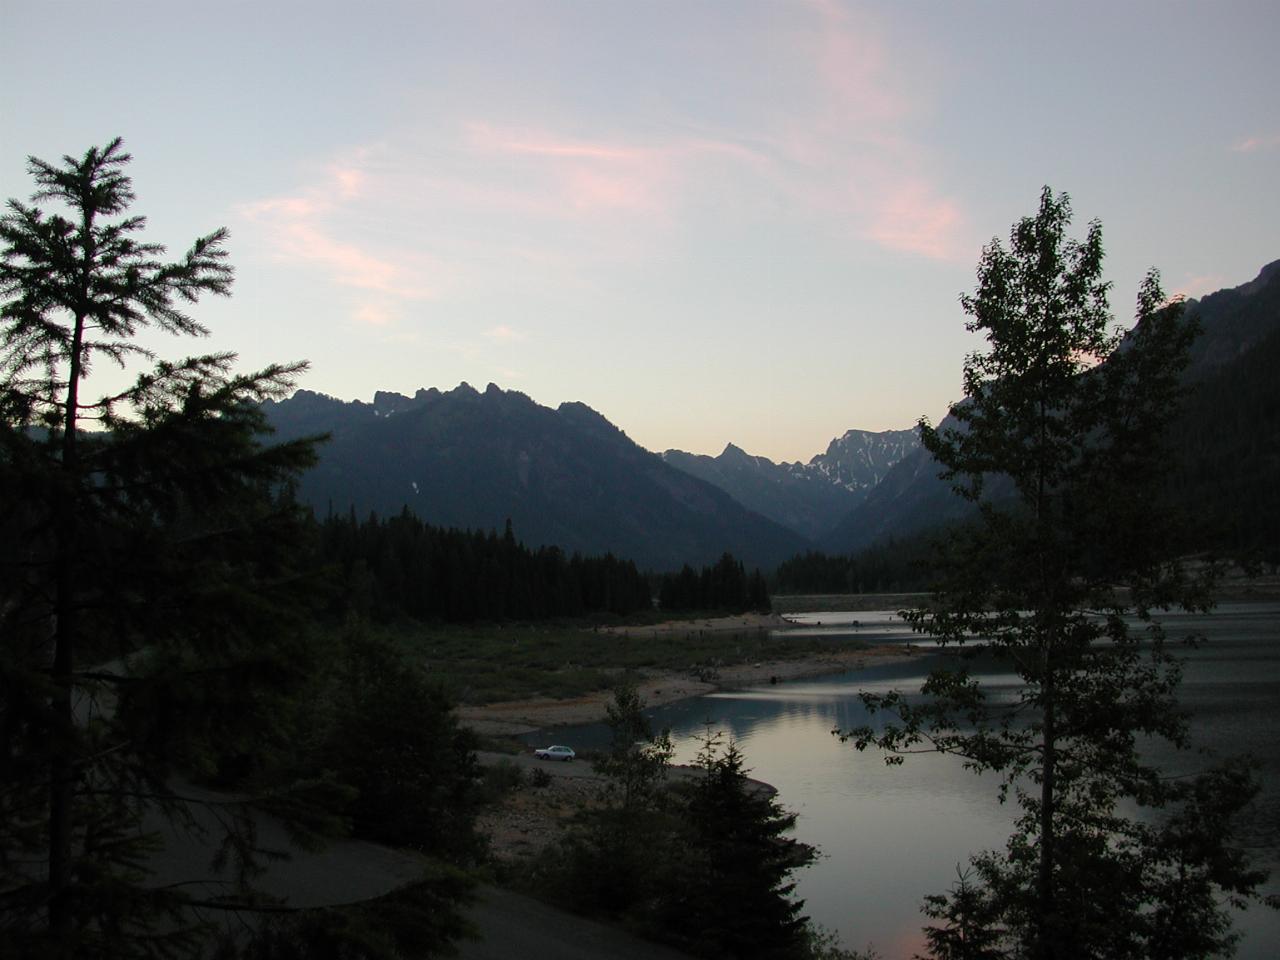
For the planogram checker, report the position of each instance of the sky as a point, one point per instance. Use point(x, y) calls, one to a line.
point(712, 222)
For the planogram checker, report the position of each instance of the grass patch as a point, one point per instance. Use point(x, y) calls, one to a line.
point(488, 664)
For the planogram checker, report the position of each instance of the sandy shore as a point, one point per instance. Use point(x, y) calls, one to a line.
point(659, 688)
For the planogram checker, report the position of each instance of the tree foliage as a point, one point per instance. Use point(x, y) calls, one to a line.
point(403, 567)
point(636, 760)
point(392, 735)
point(153, 622)
point(896, 564)
point(724, 586)
point(703, 862)
point(1060, 442)
point(731, 893)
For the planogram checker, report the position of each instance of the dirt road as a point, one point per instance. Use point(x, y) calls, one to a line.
point(515, 926)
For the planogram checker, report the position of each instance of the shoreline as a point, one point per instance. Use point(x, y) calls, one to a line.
point(656, 689)
point(659, 688)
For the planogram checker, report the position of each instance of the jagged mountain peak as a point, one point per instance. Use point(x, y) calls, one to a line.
point(735, 454)
point(809, 498)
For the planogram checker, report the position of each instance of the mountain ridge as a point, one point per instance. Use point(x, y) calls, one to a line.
point(808, 498)
point(565, 477)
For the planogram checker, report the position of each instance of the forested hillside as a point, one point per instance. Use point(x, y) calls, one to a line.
point(1224, 470)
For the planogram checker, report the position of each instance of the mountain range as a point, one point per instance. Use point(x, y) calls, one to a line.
point(564, 477)
point(568, 477)
point(809, 498)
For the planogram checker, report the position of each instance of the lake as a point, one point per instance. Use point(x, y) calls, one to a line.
point(891, 835)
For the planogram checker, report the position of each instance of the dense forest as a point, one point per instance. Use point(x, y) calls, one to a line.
point(400, 567)
point(724, 586)
point(895, 565)
point(385, 569)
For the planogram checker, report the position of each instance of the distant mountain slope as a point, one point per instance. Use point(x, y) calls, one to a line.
point(860, 459)
point(1235, 321)
point(809, 498)
point(566, 477)
point(908, 500)
point(1226, 466)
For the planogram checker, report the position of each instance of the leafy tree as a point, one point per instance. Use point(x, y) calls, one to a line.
point(1061, 444)
point(636, 760)
point(615, 854)
point(150, 615)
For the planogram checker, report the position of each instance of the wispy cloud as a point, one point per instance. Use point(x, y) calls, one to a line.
point(504, 334)
point(374, 315)
point(476, 199)
point(1199, 285)
point(318, 226)
point(913, 219)
point(851, 140)
point(1254, 144)
point(605, 177)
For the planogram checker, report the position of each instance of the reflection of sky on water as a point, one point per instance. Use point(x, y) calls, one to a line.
point(891, 835)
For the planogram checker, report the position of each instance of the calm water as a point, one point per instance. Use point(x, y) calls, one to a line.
point(891, 835)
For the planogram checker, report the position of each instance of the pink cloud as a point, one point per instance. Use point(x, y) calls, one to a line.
point(851, 63)
point(582, 177)
point(350, 181)
point(301, 229)
point(1253, 144)
point(484, 137)
point(298, 207)
point(373, 315)
point(1199, 285)
point(852, 141)
point(544, 199)
point(352, 266)
point(911, 218)
point(504, 334)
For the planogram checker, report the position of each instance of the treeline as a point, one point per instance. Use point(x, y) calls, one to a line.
point(722, 587)
point(892, 566)
point(402, 567)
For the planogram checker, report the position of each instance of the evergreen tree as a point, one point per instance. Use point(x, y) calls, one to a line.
point(724, 586)
point(149, 611)
point(1061, 443)
point(393, 736)
point(729, 893)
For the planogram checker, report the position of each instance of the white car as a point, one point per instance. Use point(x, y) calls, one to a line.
point(555, 752)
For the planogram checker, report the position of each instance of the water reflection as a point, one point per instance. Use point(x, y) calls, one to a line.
point(892, 835)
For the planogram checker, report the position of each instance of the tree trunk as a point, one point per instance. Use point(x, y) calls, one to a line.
point(1047, 912)
point(62, 760)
